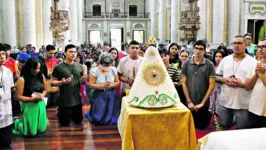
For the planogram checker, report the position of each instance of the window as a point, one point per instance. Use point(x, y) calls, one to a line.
point(116, 13)
point(96, 10)
point(133, 10)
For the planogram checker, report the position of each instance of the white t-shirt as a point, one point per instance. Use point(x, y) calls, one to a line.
point(257, 103)
point(128, 68)
point(6, 78)
point(235, 98)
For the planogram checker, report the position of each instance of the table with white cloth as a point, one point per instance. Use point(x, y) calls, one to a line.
point(246, 139)
point(156, 129)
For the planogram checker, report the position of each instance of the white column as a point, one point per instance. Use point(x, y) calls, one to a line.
point(202, 32)
point(210, 21)
point(153, 15)
point(1, 21)
point(20, 22)
point(39, 23)
point(162, 17)
point(174, 20)
point(80, 16)
point(233, 19)
point(73, 21)
point(29, 22)
point(218, 22)
point(10, 29)
point(47, 34)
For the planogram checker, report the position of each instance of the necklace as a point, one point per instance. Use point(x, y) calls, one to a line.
point(234, 70)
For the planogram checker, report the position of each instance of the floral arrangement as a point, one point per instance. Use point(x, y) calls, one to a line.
point(217, 125)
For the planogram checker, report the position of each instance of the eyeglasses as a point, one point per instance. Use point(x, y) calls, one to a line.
point(237, 43)
point(248, 38)
point(200, 49)
point(263, 47)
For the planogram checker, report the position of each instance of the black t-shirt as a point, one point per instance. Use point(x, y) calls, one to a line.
point(35, 85)
point(69, 93)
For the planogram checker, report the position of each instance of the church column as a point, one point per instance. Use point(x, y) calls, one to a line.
point(47, 34)
point(225, 33)
point(178, 21)
point(1, 21)
point(153, 15)
point(201, 34)
point(73, 21)
point(39, 23)
point(80, 8)
point(29, 22)
point(64, 5)
point(209, 21)
point(10, 28)
point(20, 21)
point(162, 17)
point(174, 20)
point(234, 17)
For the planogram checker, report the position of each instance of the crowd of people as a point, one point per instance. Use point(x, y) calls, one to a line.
point(230, 85)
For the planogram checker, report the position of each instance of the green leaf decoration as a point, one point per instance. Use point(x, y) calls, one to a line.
point(145, 99)
point(134, 99)
point(175, 96)
point(153, 100)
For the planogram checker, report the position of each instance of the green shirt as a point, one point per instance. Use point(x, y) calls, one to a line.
point(69, 93)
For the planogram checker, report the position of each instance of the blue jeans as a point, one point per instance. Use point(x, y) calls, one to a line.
point(227, 117)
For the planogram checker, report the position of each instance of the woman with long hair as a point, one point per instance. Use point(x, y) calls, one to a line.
point(174, 55)
point(30, 89)
point(184, 56)
point(217, 58)
point(114, 52)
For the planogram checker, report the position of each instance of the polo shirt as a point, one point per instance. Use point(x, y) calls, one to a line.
point(198, 76)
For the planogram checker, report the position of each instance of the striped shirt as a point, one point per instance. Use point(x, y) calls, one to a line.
point(174, 74)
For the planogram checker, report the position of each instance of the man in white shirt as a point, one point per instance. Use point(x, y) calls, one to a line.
point(6, 82)
point(234, 99)
point(256, 80)
point(129, 65)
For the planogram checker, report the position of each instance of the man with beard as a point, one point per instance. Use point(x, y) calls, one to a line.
point(234, 98)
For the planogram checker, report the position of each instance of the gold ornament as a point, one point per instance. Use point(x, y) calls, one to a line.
point(151, 41)
point(151, 53)
point(153, 75)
